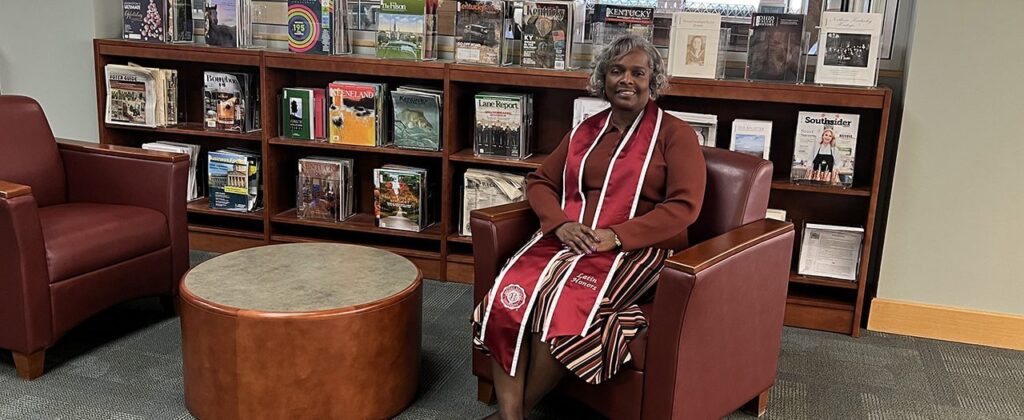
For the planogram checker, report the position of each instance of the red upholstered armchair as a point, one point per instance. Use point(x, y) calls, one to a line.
point(82, 227)
point(715, 323)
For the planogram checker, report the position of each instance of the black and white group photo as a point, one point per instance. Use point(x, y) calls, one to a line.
point(847, 50)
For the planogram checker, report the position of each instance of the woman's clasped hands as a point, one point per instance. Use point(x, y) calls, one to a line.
point(581, 239)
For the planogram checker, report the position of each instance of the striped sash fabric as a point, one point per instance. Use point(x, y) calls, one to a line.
point(578, 285)
point(601, 353)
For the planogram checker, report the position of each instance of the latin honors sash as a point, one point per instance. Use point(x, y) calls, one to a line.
point(583, 285)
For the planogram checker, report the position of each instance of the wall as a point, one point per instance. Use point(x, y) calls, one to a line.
point(46, 53)
point(954, 231)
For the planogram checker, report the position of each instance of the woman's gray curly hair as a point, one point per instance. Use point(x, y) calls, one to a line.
point(618, 48)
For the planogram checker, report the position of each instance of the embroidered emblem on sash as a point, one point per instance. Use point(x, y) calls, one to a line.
point(513, 297)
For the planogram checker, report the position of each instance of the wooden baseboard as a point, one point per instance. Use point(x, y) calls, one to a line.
point(947, 323)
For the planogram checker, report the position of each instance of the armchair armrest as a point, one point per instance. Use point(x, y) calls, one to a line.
point(122, 151)
point(11, 190)
point(102, 173)
point(497, 233)
point(24, 279)
point(716, 325)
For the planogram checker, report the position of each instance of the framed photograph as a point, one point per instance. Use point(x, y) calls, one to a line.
point(849, 46)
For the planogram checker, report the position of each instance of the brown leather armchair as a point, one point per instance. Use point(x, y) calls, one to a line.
point(82, 227)
point(715, 323)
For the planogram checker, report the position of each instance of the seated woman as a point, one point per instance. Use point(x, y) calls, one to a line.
point(614, 201)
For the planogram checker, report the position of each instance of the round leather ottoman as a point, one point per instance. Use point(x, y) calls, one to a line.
point(301, 331)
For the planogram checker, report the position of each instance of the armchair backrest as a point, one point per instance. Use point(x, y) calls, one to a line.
point(737, 193)
point(28, 151)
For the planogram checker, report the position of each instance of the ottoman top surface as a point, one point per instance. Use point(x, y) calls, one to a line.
point(300, 277)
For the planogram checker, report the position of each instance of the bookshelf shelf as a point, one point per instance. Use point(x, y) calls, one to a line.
point(191, 129)
point(361, 222)
point(789, 186)
point(355, 64)
point(354, 148)
point(822, 281)
point(455, 237)
point(813, 302)
point(466, 155)
point(202, 206)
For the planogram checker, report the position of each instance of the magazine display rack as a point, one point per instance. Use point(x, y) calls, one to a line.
point(439, 250)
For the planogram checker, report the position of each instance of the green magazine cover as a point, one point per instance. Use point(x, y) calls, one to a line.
point(401, 29)
point(296, 113)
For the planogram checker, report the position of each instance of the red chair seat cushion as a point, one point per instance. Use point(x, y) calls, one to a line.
point(82, 237)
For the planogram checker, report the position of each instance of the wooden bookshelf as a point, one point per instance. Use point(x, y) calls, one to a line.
point(439, 251)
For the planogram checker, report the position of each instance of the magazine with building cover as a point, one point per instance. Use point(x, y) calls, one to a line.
point(478, 31)
point(417, 118)
point(824, 148)
point(547, 35)
point(132, 95)
point(613, 21)
point(693, 45)
point(775, 47)
point(324, 190)
point(233, 180)
point(848, 48)
point(483, 188)
point(752, 137)
point(404, 30)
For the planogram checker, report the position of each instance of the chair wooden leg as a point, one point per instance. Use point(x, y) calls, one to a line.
point(758, 405)
point(29, 366)
point(485, 391)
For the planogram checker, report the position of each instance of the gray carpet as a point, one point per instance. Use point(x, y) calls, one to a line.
point(126, 364)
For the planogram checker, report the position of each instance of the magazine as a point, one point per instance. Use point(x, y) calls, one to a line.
point(309, 26)
point(830, 251)
point(144, 20)
point(131, 96)
point(775, 47)
point(401, 197)
point(503, 125)
point(751, 137)
point(705, 125)
point(613, 21)
point(402, 30)
point(824, 148)
point(584, 107)
point(547, 33)
point(482, 188)
point(355, 113)
point(417, 118)
point(478, 25)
